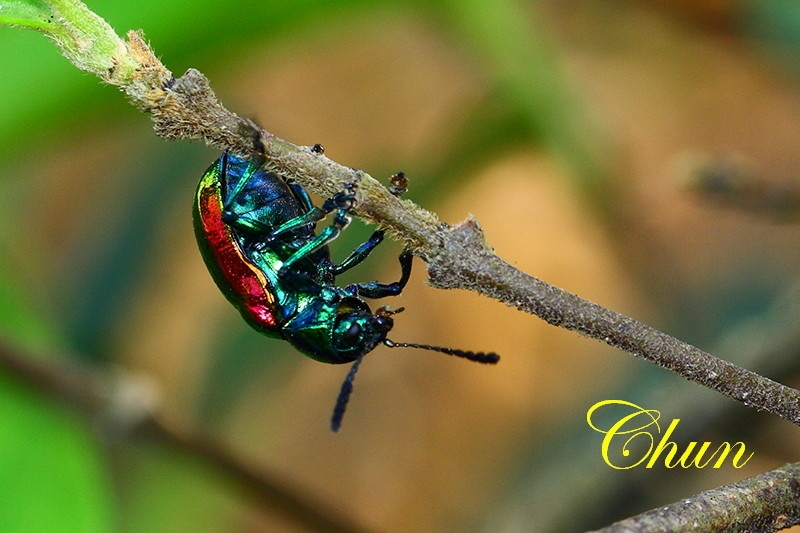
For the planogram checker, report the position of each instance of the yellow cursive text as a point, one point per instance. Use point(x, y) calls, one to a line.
point(641, 426)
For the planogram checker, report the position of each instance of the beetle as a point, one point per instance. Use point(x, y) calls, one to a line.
point(256, 233)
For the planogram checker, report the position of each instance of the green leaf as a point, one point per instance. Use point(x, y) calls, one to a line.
point(20, 326)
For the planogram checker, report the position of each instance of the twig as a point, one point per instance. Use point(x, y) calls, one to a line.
point(769, 343)
point(761, 504)
point(458, 257)
point(126, 407)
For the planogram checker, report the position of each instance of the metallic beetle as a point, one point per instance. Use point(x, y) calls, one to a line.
point(256, 233)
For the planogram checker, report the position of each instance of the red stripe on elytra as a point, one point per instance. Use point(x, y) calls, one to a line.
point(247, 280)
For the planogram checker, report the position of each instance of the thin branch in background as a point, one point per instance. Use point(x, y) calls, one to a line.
point(124, 406)
point(760, 504)
point(734, 182)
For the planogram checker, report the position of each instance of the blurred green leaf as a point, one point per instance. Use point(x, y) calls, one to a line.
point(776, 24)
point(52, 474)
point(103, 271)
point(511, 38)
point(51, 470)
point(20, 326)
point(240, 355)
point(53, 95)
point(170, 493)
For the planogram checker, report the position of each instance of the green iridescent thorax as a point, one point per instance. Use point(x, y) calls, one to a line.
point(333, 327)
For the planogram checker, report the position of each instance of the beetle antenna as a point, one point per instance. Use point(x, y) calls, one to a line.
point(479, 357)
point(344, 396)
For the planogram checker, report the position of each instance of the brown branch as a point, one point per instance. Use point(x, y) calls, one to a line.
point(458, 257)
point(482, 271)
point(125, 406)
point(761, 504)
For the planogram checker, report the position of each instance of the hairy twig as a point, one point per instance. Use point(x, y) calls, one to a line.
point(125, 406)
point(458, 256)
point(761, 504)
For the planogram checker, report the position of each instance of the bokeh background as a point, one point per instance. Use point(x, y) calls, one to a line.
point(567, 127)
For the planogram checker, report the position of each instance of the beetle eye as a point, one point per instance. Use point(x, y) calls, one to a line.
point(383, 323)
point(353, 332)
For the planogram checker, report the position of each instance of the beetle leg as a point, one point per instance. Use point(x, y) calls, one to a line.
point(340, 221)
point(343, 201)
point(312, 217)
point(399, 185)
point(243, 222)
point(359, 254)
point(301, 194)
point(373, 289)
